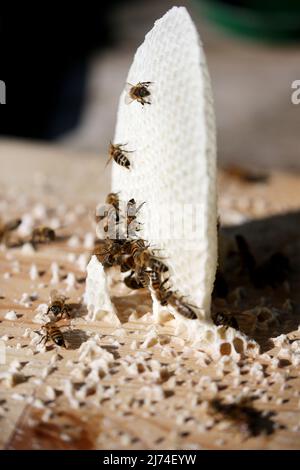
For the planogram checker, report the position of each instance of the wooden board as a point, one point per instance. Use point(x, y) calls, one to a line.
point(153, 389)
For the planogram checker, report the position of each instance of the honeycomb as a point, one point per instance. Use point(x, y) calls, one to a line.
point(173, 164)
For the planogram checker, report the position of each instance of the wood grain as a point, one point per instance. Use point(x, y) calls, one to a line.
point(161, 400)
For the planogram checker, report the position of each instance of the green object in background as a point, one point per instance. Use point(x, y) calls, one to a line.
point(266, 20)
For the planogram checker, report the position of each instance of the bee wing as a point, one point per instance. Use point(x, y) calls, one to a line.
point(108, 161)
point(128, 87)
point(128, 99)
point(53, 295)
point(140, 206)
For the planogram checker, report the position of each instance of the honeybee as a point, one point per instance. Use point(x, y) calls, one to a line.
point(42, 234)
point(138, 93)
point(143, 277)
point(7, 227)
point(58, 306)
point(185, 309)
point(162, 294)
point(117, 153)
point(225, 319)
point(52, 332)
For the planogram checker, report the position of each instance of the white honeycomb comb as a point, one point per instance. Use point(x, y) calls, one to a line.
point(174, 159)
point(173, 164)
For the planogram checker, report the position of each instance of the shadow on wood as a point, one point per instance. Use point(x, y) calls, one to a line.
point(276, 234)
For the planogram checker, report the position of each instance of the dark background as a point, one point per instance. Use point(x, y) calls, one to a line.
point(64, 69)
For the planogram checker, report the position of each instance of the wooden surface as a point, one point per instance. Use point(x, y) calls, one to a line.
point(152, 390)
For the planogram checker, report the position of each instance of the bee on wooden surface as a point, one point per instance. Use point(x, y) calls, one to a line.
point(250, 421)
point(138, 92)
point(53, 333)
point(119, 155)
point(42, 234)
point(185, 309)
point(225, 319)
point(58, 306)
point(161, 292)
point(8, 227)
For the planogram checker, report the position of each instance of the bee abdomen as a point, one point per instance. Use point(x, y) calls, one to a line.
point(158, 266)
point(184, 309)
point(187, 312)
point(121, 159)
point(144, 278)
point(58, 338)
point(136, 247)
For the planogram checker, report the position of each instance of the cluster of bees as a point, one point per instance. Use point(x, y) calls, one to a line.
point(39, 235)
point(133, 255)
point(122, 246)
point(58, 308)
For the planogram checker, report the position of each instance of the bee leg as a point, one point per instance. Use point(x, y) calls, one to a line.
point(44, 338)
point(108, 161)
point(66, 311)
point(41, 339)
